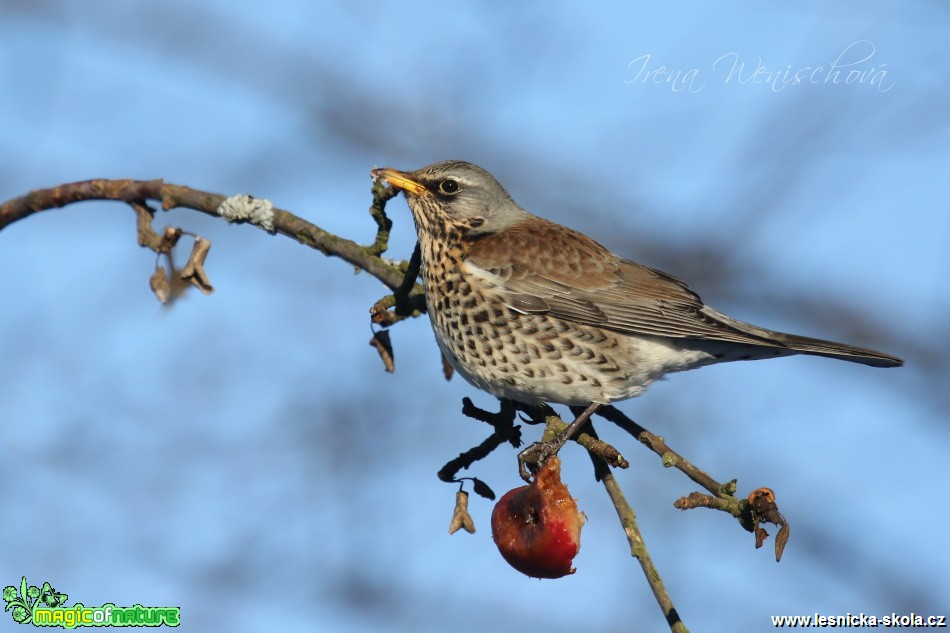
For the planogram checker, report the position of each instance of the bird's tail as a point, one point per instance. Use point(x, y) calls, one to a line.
point(807, 345)
point(843, 351)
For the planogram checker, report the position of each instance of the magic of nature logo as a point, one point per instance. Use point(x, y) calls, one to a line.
point(44, 606)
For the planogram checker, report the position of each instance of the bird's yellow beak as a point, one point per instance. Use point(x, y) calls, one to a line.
point(400, 180)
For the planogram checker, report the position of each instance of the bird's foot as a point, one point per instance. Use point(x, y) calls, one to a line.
point(532, 459)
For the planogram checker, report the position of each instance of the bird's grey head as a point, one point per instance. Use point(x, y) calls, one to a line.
point(456, 193)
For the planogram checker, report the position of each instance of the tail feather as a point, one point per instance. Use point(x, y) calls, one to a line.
point(807, 345)
point(843, 351)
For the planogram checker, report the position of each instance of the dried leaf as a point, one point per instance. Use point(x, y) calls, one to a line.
point(194, 271)
point(765, 510)
point(384, 346)
point(482, 489)
point(780, 540)
point(447, 369)
point(763, 505)
point(159, 284)
point(461, 519)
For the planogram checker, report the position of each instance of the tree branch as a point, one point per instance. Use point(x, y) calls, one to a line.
point(670, 457)
point(367, 258)
point(638, 549)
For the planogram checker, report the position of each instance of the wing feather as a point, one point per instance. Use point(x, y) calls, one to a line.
point(576, 279)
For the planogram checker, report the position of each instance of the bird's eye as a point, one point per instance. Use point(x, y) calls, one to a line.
point(449, 186)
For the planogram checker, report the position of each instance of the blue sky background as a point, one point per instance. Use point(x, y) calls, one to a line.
point(245, 456)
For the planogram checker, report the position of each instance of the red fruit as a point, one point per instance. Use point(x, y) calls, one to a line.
point(537, 527)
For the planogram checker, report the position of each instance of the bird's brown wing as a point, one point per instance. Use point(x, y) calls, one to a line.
point(542, 267)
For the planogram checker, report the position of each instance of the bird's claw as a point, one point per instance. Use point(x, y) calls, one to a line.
point(532, 459)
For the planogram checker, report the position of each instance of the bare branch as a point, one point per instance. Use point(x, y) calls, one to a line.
point(136, 192)
point(670, 457)
point(638, 549)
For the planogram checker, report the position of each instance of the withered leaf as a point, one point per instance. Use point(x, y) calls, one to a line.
point(780, 540)
point(482, 489)
point(461, 519)
point(384, 346)
point(158, 282)
point(765, 510)
point(194, 271)
point(447, 369)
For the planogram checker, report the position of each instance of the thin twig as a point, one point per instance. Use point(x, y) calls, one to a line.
point(638, 549)
point(750, 513)
point(555, 426)
point(406, 302)
point(505, 430)
point(670, 457)
point(381, 194)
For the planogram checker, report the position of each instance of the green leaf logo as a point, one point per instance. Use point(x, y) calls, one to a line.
point(23, 599)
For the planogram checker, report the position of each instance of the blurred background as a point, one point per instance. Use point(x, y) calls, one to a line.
point(244, 455)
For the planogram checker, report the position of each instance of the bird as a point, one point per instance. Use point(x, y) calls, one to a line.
point(532, 311)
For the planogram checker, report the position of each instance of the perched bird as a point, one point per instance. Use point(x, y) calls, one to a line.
point(533, 311)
